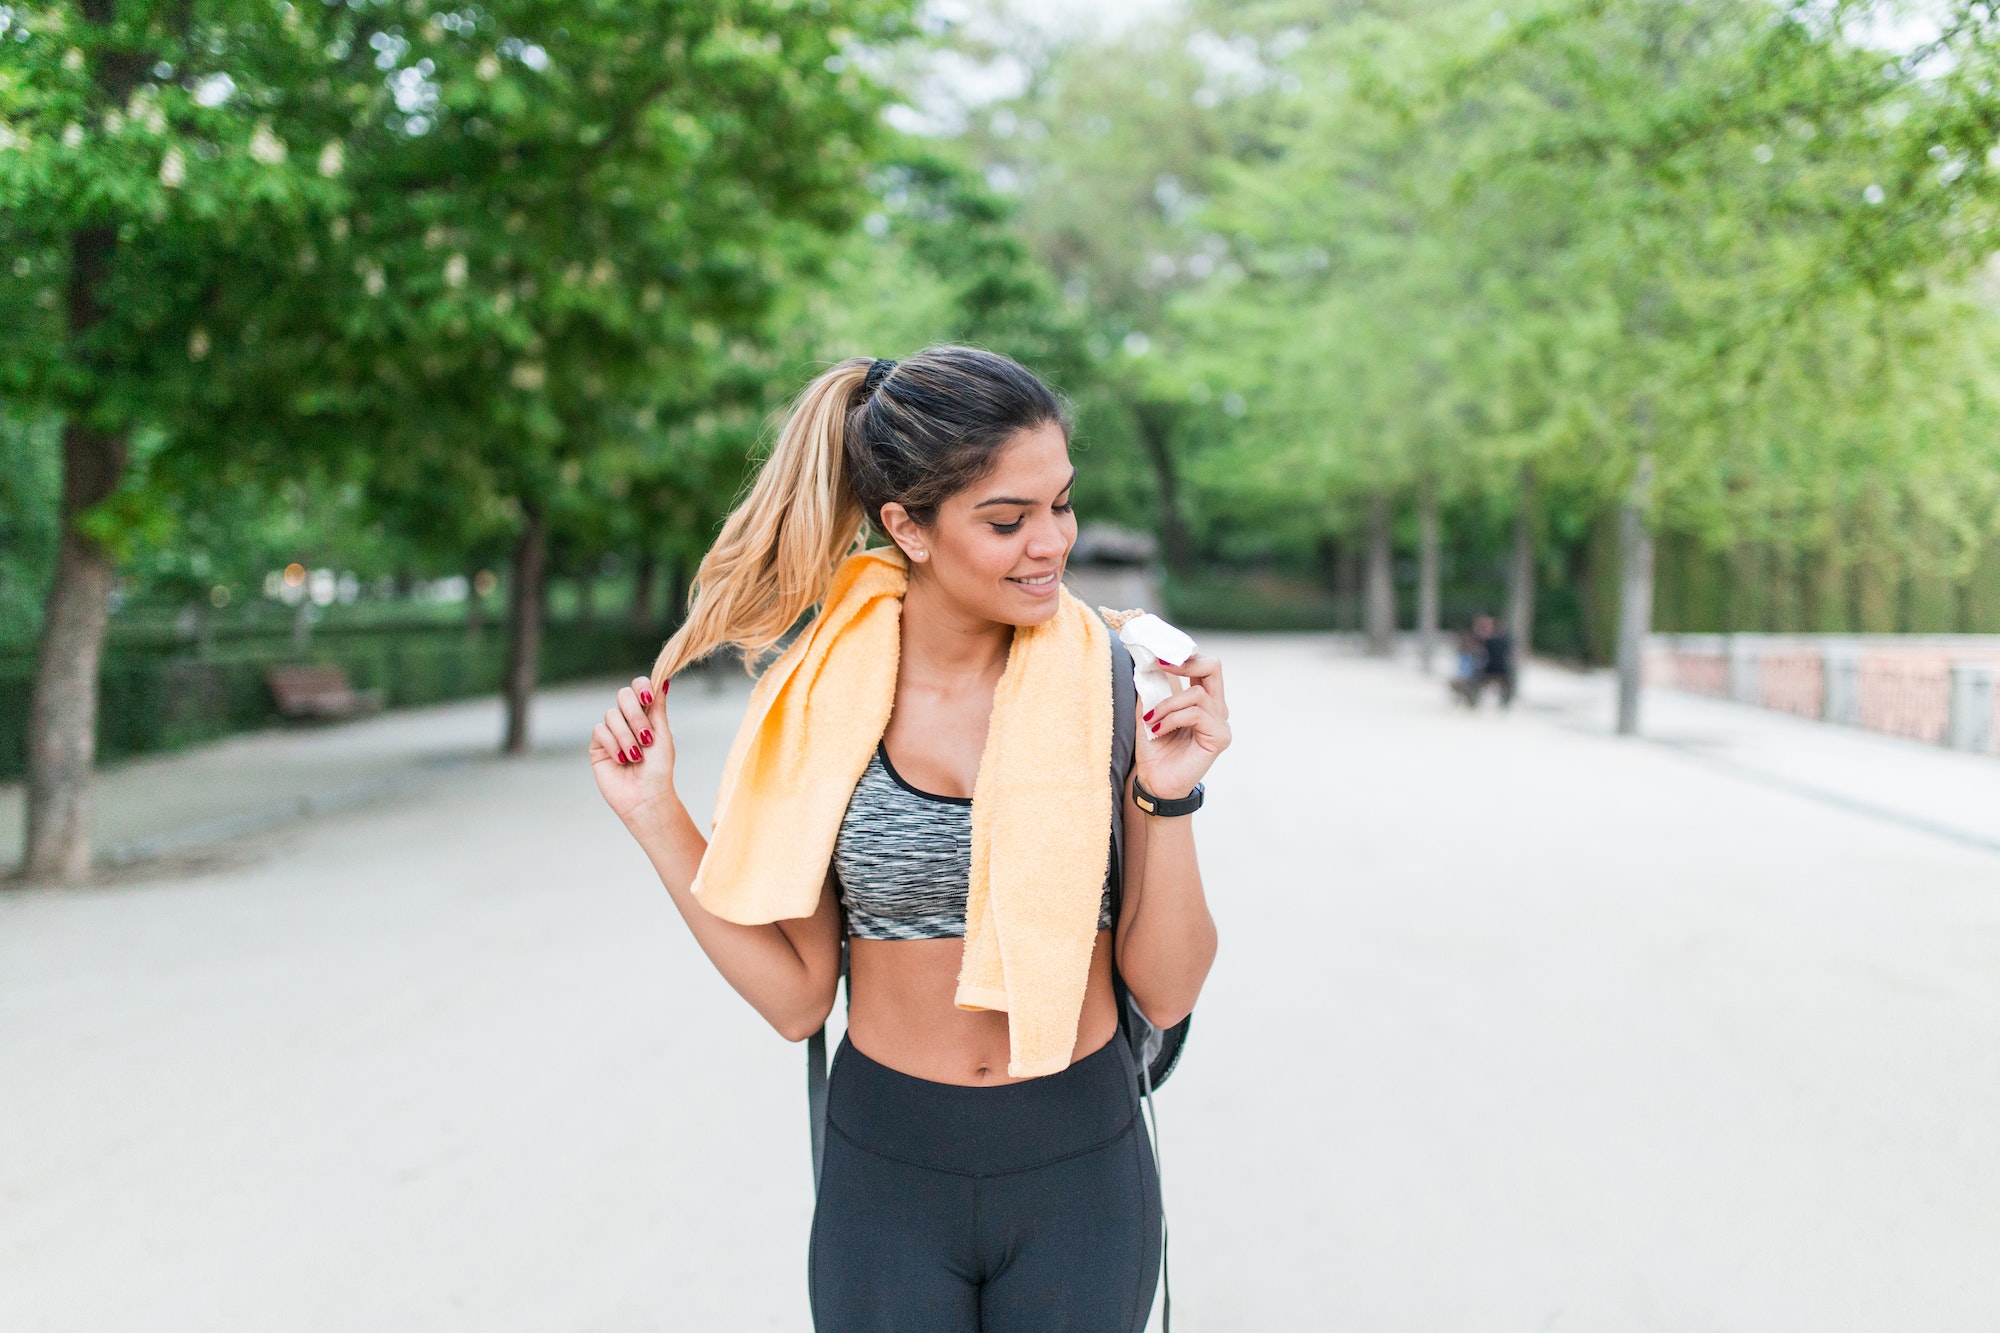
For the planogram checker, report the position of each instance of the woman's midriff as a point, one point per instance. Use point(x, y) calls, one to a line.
point(900, 1012)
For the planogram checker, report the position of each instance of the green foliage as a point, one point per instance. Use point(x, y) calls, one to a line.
point(1322, 252)
point(599, 203)
point(1728, 237)
point(1114, 150)
point(30, 491)
point(375, 277)
point(450, 254)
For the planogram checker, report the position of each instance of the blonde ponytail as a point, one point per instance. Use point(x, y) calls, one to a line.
point(780, 546)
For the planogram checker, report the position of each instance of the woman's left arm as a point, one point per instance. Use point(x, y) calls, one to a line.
point(1166, 937)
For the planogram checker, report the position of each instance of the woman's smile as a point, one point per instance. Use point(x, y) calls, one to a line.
point(1036, 585)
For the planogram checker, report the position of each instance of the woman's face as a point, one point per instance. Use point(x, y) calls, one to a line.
point(997, 548)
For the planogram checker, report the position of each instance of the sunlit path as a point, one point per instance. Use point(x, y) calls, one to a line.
point(1515, 1027)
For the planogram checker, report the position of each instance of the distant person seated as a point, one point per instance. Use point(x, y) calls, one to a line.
point(1471, 659)
point(1489, 655)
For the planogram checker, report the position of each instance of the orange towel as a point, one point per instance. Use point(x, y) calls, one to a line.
point(1041, 807)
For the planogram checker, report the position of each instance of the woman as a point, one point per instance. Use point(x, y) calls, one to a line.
point(956, 1193)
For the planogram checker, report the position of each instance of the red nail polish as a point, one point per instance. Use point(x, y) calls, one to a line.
point(1156, 728)
point(1149, 715)
point(646, 698)
point(665, 686)
point(645, 738)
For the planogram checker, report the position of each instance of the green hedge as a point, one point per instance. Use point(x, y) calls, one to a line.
point(1252, 601)
point(156, 698)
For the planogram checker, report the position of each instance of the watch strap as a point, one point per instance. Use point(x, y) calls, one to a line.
point(1163, 807)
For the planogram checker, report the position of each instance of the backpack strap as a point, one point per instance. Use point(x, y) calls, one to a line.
point(816, 1098)
point(1124, 744)
point(816, 1081)
point(1156, 1050)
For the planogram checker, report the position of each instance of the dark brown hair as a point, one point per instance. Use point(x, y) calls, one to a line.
point(934, 425)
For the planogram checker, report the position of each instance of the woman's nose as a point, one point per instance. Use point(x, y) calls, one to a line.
point(1047, 542)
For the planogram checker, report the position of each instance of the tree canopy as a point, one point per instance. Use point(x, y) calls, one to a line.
point(522, 285)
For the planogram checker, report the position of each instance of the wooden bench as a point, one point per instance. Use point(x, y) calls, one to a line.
point(318, 693)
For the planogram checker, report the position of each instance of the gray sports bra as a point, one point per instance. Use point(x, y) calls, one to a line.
point(903, 858)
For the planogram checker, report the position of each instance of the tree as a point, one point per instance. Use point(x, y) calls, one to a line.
point(135, 170)
point(1112, 148)
point(412, 246)
point(1615, 248)
point(600, 208)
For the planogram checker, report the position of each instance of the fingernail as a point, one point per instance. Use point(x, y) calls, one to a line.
point(645, 738)
point(1165, 663)
point(665, 686)
point(1149, 714)
point(646, 698)
point(1156, 728)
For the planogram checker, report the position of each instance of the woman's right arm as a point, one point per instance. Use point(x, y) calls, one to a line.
point(788, 971)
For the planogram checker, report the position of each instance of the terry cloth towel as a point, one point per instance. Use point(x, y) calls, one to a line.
point(1041, 806)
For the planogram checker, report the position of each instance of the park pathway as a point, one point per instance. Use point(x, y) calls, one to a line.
point(1515, 1027)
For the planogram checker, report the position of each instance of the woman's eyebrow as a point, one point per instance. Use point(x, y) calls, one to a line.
point(1016, 500)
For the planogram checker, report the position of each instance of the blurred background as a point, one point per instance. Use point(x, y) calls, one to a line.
point(386, 362)
point(432, 343)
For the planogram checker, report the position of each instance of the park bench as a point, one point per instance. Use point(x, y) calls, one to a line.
point(318, 693)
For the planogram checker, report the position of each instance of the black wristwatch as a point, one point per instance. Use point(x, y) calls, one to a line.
point(1161, 806)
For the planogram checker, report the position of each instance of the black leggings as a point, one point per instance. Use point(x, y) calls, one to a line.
point(1031, 1207)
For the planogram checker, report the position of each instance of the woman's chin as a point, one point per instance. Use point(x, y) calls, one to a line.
point(1023, 609)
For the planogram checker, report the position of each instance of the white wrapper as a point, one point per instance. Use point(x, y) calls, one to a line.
point(1152, 641)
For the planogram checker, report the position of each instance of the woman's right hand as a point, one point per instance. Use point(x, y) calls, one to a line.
point(632, 751)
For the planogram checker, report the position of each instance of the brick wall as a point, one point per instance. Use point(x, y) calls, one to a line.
point(1901, 685)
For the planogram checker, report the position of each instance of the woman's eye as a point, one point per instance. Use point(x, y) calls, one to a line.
point(1005, 528)
point(1066, 507)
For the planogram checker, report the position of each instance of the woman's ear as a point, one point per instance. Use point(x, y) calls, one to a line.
point(906, 532)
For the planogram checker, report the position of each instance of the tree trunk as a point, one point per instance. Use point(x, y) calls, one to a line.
point(1521, 581)
point(62, 716)
point(475, 608)
point(1600, 583)
point(1379, 588)
point(1427, 572)
point(1346, 588)
point(677, 592)
point(1154, 431)
point(645, 580)
point(525, 590)
point(1635, 603)
point(1826, 609)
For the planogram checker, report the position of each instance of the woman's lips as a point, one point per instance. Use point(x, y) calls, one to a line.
point(1038, 585)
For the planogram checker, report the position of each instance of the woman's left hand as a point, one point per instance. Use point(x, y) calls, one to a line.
point(1184, 733)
